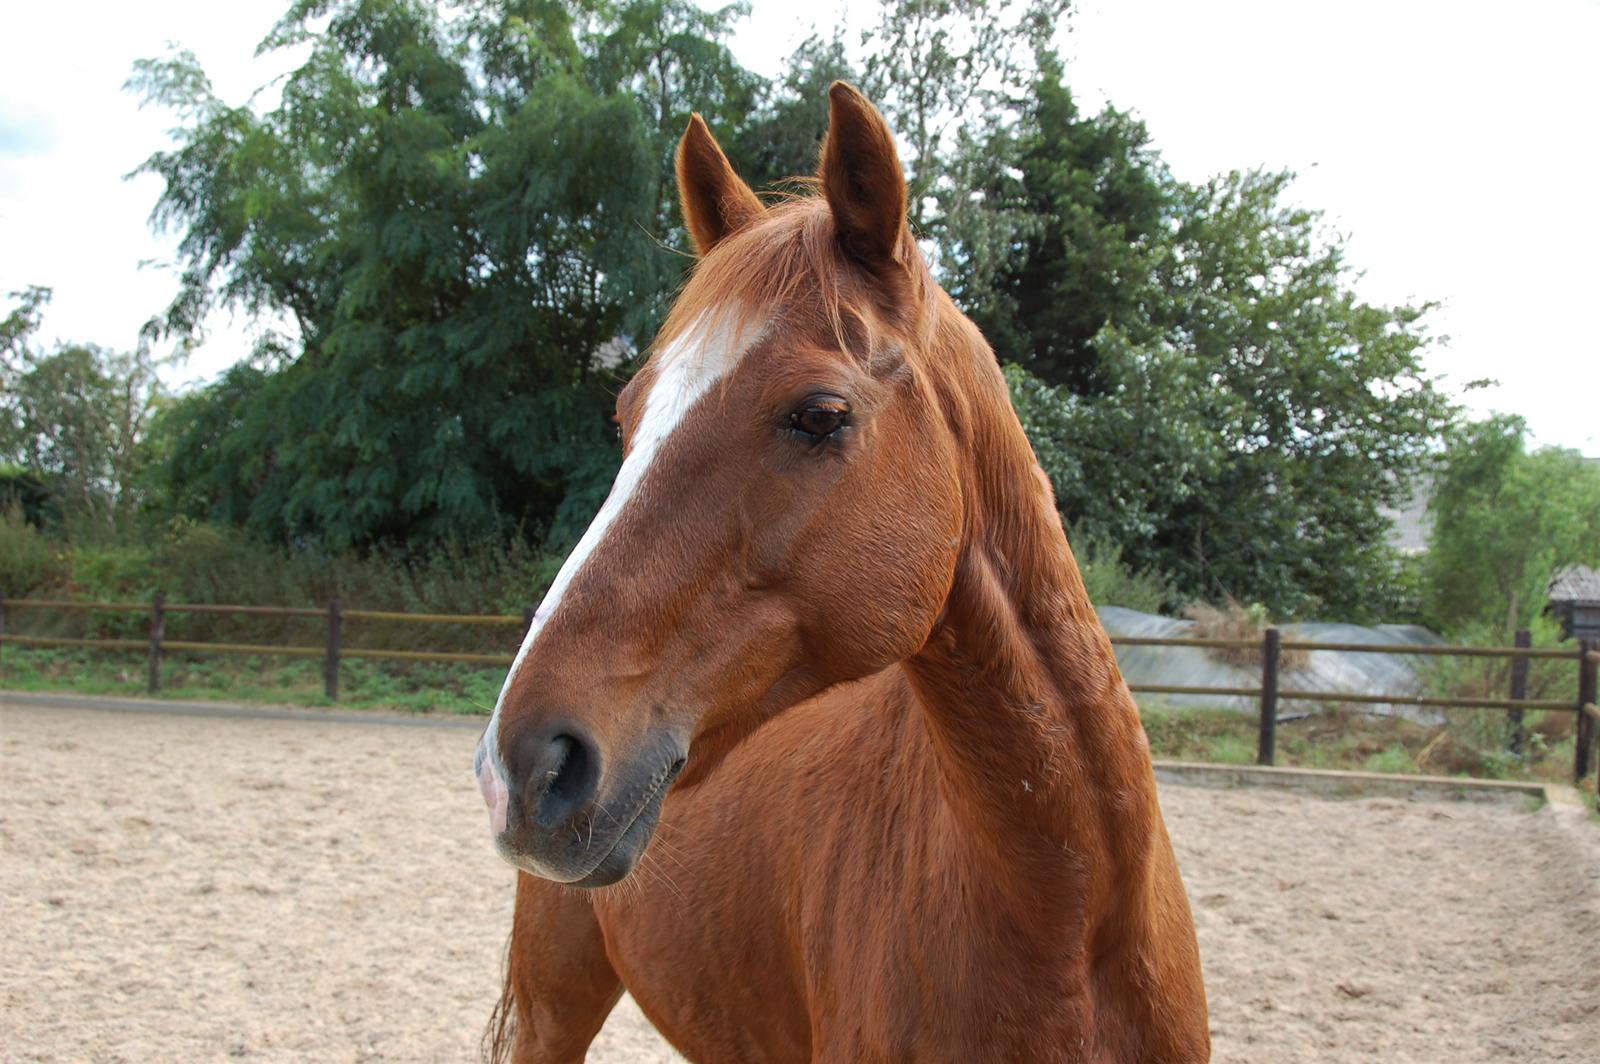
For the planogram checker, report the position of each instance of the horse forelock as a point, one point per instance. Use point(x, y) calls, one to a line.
point(791, 265)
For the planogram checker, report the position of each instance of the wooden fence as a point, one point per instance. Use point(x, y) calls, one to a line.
point(1272, 644)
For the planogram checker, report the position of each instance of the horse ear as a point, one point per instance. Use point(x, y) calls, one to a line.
point(861, 177)
point(716, 202)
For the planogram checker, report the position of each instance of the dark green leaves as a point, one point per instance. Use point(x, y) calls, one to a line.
point(463, 220)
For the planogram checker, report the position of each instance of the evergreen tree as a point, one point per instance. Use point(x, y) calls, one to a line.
point(1061, 236)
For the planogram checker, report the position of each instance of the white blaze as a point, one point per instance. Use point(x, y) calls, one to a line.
point(707, 351)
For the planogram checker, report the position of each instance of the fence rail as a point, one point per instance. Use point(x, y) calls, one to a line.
point(1586, 654)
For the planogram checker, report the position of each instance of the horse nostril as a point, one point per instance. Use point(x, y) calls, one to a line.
point(568, 778)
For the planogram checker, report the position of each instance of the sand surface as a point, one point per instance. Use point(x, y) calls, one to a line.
point(191, 888)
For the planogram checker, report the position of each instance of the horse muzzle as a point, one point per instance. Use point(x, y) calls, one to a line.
point(557, 810)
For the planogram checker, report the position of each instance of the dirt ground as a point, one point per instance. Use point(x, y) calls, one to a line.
point(194, 888)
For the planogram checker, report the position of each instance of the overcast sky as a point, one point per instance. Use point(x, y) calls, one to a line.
point(1453, 142)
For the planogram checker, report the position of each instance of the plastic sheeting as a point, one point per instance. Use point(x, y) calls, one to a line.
point(1322, 670)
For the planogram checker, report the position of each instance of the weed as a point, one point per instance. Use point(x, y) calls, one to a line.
point(1396, 760)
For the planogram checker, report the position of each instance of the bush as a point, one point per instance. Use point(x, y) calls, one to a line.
point(1488, 732)
point(111, 574)
point(201, 563)
point(25, 559)
point(1112, 581)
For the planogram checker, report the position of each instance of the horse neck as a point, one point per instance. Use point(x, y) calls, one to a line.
point(1034, 731)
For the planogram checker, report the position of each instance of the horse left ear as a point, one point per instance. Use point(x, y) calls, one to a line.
point(716, 201)
point(862, 179)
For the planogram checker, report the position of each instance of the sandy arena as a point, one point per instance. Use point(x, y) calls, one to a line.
point(188, 888)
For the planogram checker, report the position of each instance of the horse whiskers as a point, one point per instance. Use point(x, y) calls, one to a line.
point(654, 860)
point(658, 875)
point(598, 808)
point(669, 850)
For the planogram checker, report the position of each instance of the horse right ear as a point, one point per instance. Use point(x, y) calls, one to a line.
point(716, 201)
point(862, 179)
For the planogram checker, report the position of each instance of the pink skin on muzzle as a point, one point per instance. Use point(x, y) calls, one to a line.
point(495, 794)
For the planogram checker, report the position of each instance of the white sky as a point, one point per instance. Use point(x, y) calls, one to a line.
point(1454, 142)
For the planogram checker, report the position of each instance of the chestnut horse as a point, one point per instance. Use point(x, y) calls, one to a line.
point(826, 645)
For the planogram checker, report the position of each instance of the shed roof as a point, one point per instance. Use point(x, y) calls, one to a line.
point(1575, 583)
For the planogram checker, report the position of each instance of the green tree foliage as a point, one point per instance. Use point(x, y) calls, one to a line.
point(462, 220)
point(1197, 376)
point(783, 138)
point(1504, 520)
point(1251, 420)
point(1056, 231)
point(941, 69)
point(73, 423)
point(1320, 402)
point(22, 321)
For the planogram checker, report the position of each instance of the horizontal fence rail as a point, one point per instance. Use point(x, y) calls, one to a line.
point(1404, 649)
point(432, 618)
point(1268, 694)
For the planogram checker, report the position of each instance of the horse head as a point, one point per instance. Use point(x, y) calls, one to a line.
point(788, 516)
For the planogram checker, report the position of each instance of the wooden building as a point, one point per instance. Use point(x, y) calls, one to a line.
point(1574, 600)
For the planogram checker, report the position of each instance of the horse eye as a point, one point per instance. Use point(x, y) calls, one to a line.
point(819, 419)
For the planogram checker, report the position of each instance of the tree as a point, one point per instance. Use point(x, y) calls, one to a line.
point(73, 420)
point(1051, 236)
point(783, 137)
point(463, 218)
point(1504, 519)
point(937, 67)
point(18, 326)
point(1254, 418)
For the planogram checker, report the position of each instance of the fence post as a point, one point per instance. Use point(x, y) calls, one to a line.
point(1519, 691)
point(1267, 741)
point(158, 631)
point(527, 624)
point(1586, 697)
point(330, 664)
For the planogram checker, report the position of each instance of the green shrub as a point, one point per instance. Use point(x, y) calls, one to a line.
point(1489, 731)
point(1112, 581)
point(25, 559)
point(1232, 750)
point(112, 573)
point(1191, 734)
